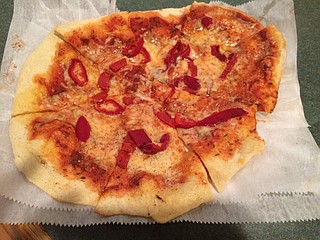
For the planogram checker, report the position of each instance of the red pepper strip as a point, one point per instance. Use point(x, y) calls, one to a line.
point(134, 49)
point(146, 55)
point(184, 51)
point(191, 82)
point(232, 61)
point(192, 67)
point(104, 81)
point(165, 118)
point(99, 96)
point(144, 143)
point(154, 148)
point(172, 55)
point(109, 106)
point(206, 21)
point(127, 149)
point(178, 50)
point(127, 100)
point(222, 116)
point(83, 129)
point(116, 66)
point(140, 137)
point(215, 51)
point(77, 72)
point(181, 121)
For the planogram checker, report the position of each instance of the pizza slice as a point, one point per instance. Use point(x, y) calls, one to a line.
point(68, 153)
point(156, 176)
point(54, 76)
point(258, 66)
point(222, 133)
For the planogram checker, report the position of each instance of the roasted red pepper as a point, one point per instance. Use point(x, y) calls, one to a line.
point(104, 81)
point(116, 66)
point(144, 143)
point(215, 51)
point(77, 72)
point(178, 50)
point(191, 82)
point(231, 62)
point(132, 50)
point(127, 149)
point(206, 21)
point(109, 106)
point(83, 129)
point(222, 116)
point(165, 118)
point(99, 96)
point(146, 55)
point(181, 121)
point(192, 67)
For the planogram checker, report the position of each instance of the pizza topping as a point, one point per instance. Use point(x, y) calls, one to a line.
point(215, 51)
point(146, 55)
point(134, 49)
point(221, 116)
point(192, 67)
point(206, 21)
point(178, 50)
point(83, 129)
point(127, 149)
point(104, 81)
point(99, 96)
point(166, 118)
point(109, 106)
point(144, 143)
point(192, 83)
point(116, 66)
point(214, 118)
point(181, 121)
point(231, 62)
point(127, 100)
point(77, 72)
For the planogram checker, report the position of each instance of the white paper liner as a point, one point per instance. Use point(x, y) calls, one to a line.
point(290, 162)
point(266, 209)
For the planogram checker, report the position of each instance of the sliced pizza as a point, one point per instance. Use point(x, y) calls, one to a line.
point(67, 153)
point(161, 178)
point(54, 76)
point(141, 113)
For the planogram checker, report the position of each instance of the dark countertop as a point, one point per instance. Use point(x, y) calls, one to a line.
point(308, 27)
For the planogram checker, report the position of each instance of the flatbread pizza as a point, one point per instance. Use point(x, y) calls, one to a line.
point(145, 113)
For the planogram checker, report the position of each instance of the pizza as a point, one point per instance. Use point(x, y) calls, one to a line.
point(145, 113)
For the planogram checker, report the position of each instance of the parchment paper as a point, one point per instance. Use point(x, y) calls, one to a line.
point(281, 184)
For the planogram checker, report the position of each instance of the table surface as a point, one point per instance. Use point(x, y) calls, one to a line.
point(307, 16)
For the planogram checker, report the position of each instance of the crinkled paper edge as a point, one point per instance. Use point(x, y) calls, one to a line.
point(279, 208)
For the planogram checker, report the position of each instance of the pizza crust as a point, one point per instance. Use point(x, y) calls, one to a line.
point(31, 159)
point(279, 56)
point(221, 171)
point(27, 92)
point(149, 199)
